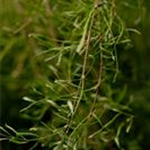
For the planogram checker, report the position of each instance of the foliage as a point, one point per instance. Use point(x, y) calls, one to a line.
point(71, 53)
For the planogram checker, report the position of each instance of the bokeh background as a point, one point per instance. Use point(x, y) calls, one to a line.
point(21, 69)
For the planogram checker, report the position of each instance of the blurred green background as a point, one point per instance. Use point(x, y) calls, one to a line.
point(21, 69)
